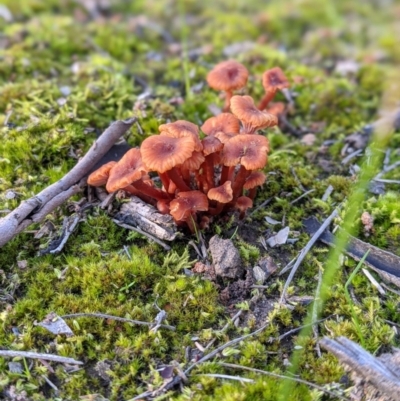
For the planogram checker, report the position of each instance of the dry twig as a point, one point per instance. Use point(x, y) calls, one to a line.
point(36, 355)
point(119, 319)
point(34, 210)
point(304, 252)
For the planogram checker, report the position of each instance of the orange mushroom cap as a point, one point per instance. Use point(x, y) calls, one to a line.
point(194, 162)
point(276, 108)
point(255, 179)
point(211, 144)
point(224, 122)
point(126, 171)
point(244, 108)
point(100, 176)
point(274, 79)
point(221, 194)
point(181, 128)
point(187, 203)
point(227, 76)
point(242, 204)
point(162, 153)
point(223, 137)
point(247, 149)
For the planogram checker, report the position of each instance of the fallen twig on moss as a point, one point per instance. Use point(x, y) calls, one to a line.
point(382, 372)
point(35, 209)
point(305, 250)
point(120, 319)
point(36, 355)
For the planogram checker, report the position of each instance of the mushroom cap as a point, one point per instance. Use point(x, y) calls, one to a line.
point(100, 176)
point(276, 108)
point(181, 128)
point(274, 79)
point(244, 108)
point(243, 203)
point(250, 150)
point(211, 144)
point(255, 179)
point(224, 122)
point(194, 162)
point(228, 75)
point(179, 125)
point(127, 170)
point(187, 203)
point(221, 194)
point(162, 153)
point(223, 137)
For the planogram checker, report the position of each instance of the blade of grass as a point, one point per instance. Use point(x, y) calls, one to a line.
point(370, 166)
point(349, 300)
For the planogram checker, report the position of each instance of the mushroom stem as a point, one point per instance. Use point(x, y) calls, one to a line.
point(208, 168)
point(269, 95)
point(239, 182)
point(252, 193)
point(165, 180)
point(226, 174)
point(216, 210)
point(176, 178)
point(150, 191)
point(135, 192)
point(228, 97)
point(185, 175)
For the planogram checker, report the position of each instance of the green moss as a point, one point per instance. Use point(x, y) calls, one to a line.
point(66, 74)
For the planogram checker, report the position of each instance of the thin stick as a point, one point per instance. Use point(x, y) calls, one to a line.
point(304, 252)
point(351, 156)
point(229, 377)
point(302, 196)
point(19, 219)
point(222, 347)
point(138, 230)
point(290, 332)
point(36, 355)
point(69, 229)
point(120, 319)
point(263, 372)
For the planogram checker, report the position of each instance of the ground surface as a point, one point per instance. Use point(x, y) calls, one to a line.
point(67, 70)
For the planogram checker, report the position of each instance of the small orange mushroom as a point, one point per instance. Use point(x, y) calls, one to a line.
point(228, 76)
point(164, 153)
point(224, 122)
point(100, 176)
point(273, 80)
point(250, 151)
point(129, 171)
point(222, 195)
point(254, 180)
point(242, 204)
point(252, 119)
point(185, 206)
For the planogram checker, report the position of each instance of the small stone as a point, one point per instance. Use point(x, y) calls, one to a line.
point(259, 275)
point(10, 195)
point(308, 139)
point(280, 238)
point(226, 257)
point(22, 264)
point(268, 265)
point(15, 367)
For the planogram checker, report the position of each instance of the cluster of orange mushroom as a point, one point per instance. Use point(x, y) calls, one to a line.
point(202, 172)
